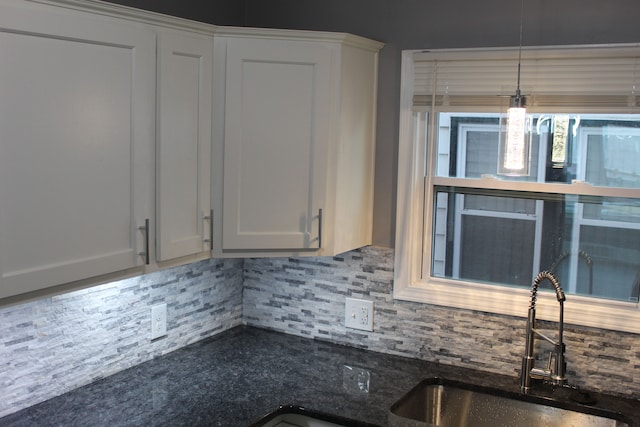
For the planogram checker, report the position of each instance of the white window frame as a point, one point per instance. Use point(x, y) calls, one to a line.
point(412, 279)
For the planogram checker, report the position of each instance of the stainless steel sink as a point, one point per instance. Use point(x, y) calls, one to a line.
point(296, 416)
point(438, 402)
point(296, 420)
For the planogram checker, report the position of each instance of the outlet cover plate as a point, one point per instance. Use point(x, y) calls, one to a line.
point(158, 321)
point(358, 314)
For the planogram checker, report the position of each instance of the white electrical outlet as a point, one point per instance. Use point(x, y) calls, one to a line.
point(158, 321)
point(358, 314)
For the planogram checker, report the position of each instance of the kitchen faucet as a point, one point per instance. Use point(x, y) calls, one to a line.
point(556, 366)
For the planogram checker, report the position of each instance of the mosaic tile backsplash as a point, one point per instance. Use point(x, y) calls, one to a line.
point(53, 345)
point(305, 296)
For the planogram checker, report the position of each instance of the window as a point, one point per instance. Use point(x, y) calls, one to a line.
point(470, 238)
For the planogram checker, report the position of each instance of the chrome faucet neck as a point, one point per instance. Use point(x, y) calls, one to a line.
point(556, 368)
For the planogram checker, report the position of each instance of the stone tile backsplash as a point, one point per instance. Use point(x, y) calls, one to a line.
point(56, 344)
point(305, 296)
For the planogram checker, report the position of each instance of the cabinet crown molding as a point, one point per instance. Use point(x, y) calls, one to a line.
point(159, 19)
point(316, 36)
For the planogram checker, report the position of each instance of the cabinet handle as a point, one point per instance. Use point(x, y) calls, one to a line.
point(319, 228)
point(145, 230)
point(210, 219)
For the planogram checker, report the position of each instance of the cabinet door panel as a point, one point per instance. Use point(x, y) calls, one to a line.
point(272, 133)
point(73, 179)
point(184, 143)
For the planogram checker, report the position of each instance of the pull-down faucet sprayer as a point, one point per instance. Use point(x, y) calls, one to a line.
point(556, 367)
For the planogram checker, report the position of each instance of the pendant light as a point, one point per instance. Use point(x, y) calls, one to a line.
point(515, 128)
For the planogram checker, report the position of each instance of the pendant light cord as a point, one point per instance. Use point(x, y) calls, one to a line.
point(520, 49)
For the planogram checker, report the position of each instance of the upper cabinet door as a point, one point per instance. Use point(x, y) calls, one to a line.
point(76, 145)
point(277, 108)
point(183, 144)
point(294, 117)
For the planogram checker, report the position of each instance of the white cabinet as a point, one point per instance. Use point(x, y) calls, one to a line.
point(295, 122)
point(107, 118)
point(76, 145)
point(93, 153)
point(183, 157)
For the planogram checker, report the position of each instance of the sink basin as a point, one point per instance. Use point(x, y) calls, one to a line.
point(296, 420)
point(295, 416)
point(438, 402)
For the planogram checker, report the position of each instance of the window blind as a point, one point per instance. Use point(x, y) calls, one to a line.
point(599, 77)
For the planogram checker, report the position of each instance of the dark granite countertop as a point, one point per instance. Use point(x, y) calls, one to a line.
point(239, 376)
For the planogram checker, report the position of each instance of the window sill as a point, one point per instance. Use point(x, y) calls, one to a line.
point(578, 310)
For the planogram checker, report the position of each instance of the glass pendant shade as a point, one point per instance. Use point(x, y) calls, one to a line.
point(515, 141)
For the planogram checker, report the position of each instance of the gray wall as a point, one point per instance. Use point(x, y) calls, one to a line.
point(219, 12)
